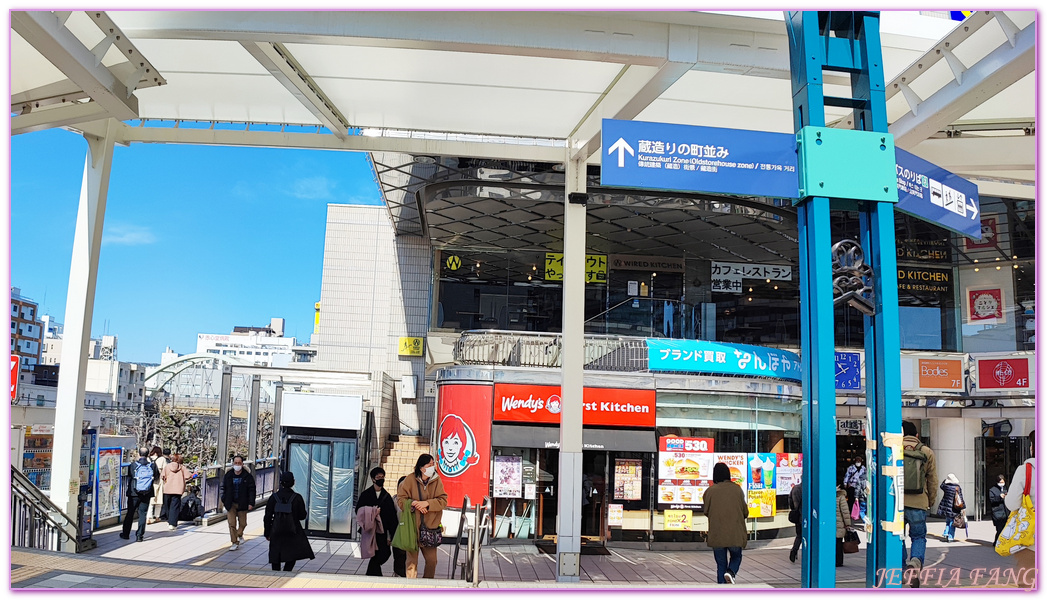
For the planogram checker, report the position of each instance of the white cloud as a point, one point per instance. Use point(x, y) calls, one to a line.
point(313, 188)
point(127, 235)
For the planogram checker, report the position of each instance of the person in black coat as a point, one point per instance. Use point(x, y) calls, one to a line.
point(997, 505)
point(138, 500)
point(238, 494)
point(286, 546)
point(376, 495)
point(952, 504)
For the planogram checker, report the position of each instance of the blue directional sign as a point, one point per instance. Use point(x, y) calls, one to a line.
point(931, 193)
point(662, 156)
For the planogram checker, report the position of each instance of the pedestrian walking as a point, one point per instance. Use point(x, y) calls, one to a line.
point(997, 507)
point(423, 492)
point(282, 523)
point(156, 503)
point(920, 474)
point(843, 518)
point(399, 555)
point(952, 507)
point(237, 494)
point(855, 478)
point(1026, 472)
point(140, 477)
point(796, 516)
point(726, 509)
point(174, 477)
point(378, 500)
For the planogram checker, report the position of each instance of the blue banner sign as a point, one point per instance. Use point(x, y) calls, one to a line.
point(663, 156)
point(848, 371)
point(698, 356)
point(933, 194)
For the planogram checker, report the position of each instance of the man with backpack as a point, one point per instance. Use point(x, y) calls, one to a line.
point(921, 490)
point(238, 493)
point(140, 477)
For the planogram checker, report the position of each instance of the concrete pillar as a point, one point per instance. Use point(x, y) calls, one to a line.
point(569, 504)
point(79, 310)
point(253, 423)
point(223, 416)
point(952, 439)
point(278, 400)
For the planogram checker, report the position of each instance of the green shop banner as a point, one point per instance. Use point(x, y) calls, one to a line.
point(698, 356)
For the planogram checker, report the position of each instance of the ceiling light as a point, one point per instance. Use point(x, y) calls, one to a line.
point(1015, 266)
point(997, 258)
point(976, 269)
point(534, 267)
point(997, 268)
point(775, 287)
point(750, 289)
point(425, 160)
point(768, 281)
point(750, 299)
point(976, 260)
point(1015, 257)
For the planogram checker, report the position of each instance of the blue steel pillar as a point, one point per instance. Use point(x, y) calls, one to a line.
point(846, 42)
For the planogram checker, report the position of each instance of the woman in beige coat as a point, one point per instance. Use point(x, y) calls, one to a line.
point(726, 509)
point(423, 492)
point(843, 521)
point(174, 477)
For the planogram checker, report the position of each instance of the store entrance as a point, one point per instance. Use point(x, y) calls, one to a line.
point(593, 490)
point(993, 456)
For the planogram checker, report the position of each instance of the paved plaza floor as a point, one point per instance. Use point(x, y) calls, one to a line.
point(199, 557)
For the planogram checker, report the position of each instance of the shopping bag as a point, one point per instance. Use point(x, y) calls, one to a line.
point(851, 542)
point(1020, 531)
point(406, 536)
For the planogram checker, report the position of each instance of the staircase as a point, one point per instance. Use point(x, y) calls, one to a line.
point(399, 457)
point(36, 522)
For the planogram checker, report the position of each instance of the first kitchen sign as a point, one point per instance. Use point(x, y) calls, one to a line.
point(600, 406)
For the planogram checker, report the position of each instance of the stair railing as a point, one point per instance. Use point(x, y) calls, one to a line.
point(36, 522)
point(463, 523)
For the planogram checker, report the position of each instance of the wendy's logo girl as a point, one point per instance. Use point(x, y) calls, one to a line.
point(457, 450)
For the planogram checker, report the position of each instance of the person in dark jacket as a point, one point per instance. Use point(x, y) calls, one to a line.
point(376, 495)
point(997, 505)
point(237, 494)
point(139, 491)
point(726, 508)
point(951, 505)
point(399, 555)
point(796, 503)
point(287, 541)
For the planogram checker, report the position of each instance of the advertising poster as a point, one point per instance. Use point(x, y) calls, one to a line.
point(628, 479)
point(788, 473)
point(737, 463)
point(761, 503)
point(677, 520)
point(685, 470)
point(508, 476)
point(614, 515)
point(985, 304)
point(464, 441)
point(108, 483)
point(761, 471)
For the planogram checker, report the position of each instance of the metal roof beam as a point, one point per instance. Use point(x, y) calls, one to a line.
point(635, 89)
point(278, 61)
point(995, 72)
point(71, 114)
point(357, 143)
point(64, 50)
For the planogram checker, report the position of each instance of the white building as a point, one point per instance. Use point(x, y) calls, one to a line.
point(262, 346)
point(114, 384)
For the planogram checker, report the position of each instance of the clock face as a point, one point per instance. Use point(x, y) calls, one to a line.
point(848, 371)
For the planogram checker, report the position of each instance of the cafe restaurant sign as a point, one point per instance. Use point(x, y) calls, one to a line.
point(600, 406)
point(699, 356)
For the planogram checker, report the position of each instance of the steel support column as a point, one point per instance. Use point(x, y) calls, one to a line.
point(224, 408)
point(253, 422)
point(569, 505)
point(278, 399)
point(79, 310)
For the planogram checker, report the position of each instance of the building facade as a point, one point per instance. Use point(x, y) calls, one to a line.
point(26, 330)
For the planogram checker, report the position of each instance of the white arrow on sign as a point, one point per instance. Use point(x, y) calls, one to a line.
point(973, 206)
point(621, 146)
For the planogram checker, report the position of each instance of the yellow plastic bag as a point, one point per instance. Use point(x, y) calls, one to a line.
point(1020, 531)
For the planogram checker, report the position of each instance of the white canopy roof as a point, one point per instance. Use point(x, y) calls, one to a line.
point(512, 85)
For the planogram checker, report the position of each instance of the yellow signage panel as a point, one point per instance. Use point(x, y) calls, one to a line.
point(412, 346)
point(677, 520)
point(595, 267)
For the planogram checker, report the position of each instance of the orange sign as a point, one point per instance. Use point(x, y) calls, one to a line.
point(600, 406)
point(14, 379)
point(941, 374)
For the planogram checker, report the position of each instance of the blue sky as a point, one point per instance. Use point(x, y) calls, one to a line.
point(197, 239)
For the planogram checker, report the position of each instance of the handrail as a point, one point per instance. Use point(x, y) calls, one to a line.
point(35, 519)
point(462, 522)
point(482, 525)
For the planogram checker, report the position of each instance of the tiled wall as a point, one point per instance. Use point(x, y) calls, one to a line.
point(375, 290)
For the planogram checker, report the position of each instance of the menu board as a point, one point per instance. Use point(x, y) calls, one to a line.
point(108, 495)
point(614, 515)
point(677, 520)
point(508, 476)
point(761, 503)
point(628, 479)
point(761, 471)
point(788, 472)
point(736, 461)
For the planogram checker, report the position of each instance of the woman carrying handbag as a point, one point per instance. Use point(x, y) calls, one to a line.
point(422, 492)
point(952, 507)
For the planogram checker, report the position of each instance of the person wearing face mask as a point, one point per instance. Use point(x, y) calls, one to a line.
point(376, 496)
point(856, 479)
point(996, 503)
point(237, 493)
point(423, 492)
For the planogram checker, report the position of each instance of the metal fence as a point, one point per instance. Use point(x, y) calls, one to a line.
point(35, 521)
point(525, 349)
point(264, 478)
